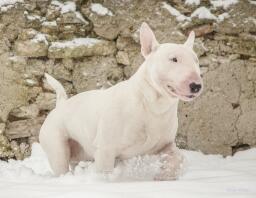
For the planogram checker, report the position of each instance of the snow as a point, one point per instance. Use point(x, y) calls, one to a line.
point(253, 2)
point(204, 176)
point(175, 12)
point(191, 2)
point(225, 4)
point(223, 16)
point(30, 82)
point(79, 16)
point(49, 23)
point(76, 43)
point(100, 9)
point(69, 6)
point(9, 2)
point(39, 37)
point(203, 13)
point(33, 17)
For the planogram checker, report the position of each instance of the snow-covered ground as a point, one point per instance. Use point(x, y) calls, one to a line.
point(204, 176)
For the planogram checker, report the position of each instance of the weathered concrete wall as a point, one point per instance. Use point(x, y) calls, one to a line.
point(33, 40)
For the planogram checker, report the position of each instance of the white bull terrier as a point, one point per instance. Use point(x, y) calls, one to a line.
point(135, 117)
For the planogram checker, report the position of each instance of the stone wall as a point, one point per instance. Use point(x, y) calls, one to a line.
point(87, 46)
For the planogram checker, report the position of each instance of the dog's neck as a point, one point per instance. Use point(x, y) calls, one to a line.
point(153, 99)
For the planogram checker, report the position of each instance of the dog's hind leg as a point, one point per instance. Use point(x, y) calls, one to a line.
point(57, 149)
point(77, 153)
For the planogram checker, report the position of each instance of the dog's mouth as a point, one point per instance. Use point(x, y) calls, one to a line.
point(174, 93)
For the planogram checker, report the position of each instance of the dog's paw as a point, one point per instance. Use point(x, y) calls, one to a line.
point(165, 176)
point(171, 169)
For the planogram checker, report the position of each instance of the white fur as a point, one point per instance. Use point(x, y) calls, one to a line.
point(135, 117)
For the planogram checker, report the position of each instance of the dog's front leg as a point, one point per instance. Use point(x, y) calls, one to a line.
point(172, 163)
point(104, 160)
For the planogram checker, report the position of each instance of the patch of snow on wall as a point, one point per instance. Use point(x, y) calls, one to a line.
point(191, 2)
point(100, 9)
point(9, 2)
point(174, 12)
point(40, 38)
point(253, 2)
point(49, 23)
point(79, 16)
point(223, 3)
point(69, 6)
point(203, 13)
point(223, 16)
point(76, 43)
point(33, 17)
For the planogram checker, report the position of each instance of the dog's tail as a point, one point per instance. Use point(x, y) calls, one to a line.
point(59, 89)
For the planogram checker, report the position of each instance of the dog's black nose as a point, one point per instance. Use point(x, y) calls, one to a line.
point(194, 88)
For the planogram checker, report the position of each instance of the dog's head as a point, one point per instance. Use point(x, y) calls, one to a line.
point(173, 68)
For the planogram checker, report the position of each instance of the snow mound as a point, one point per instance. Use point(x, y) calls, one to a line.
point(205, 176)
point(203, 13)
point(76, 43)
point(100, 9)
point(9, 2)
point(223, 16)
point(69, 6)
point(49, 23)
point(225, 4)
point(191, 2)
point(253, 2)
point(175, 12)
point(39, 37)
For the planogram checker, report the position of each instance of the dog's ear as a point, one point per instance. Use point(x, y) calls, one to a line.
point(147, 40)
point(190, 41)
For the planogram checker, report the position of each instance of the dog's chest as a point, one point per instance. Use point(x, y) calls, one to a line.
point(148, 136)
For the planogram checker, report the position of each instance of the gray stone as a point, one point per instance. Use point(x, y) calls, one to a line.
point(52, 12)
point(12, 23)
point(35, 47)
point(105, 26)
point(27, 34)
point(203, 130)
point(20, 151)
point(122, 58)
point(36, 68)
point(46, 101)
point(25, 112)
point(72, 18)
point(4, 46)
point(2, 128)
point(96, 72)
point(246, 124)
point(23, 128)
point(61, 72)
point(50, 27)
point(5, 148)
point(12, 92)
point(107, 31)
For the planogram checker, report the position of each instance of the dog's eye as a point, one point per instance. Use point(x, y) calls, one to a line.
point(174, 59)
